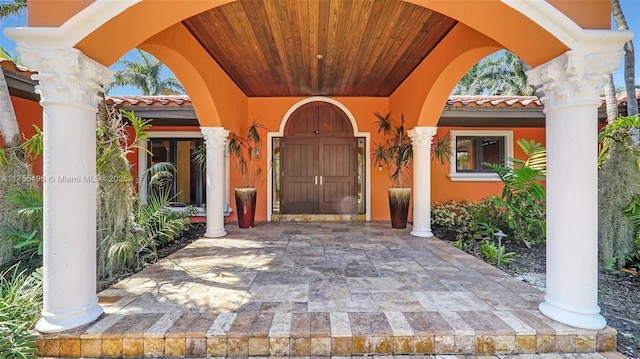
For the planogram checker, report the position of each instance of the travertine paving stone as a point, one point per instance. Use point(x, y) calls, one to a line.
point(321, 289)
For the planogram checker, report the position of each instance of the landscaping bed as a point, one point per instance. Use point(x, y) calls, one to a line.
point(618, 290)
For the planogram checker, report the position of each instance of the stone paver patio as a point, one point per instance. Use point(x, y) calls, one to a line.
point(321, 289)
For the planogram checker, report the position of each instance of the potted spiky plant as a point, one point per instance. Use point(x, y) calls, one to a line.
point(245, 153)
point(395, 152)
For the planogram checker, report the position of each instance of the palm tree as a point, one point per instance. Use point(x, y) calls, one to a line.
point(145, 76)
point(8, 122)
point(14, 8)
point(502, 73)
point(629, 59)
point(611, 103)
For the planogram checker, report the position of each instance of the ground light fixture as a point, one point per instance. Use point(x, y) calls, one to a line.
point(500, 234)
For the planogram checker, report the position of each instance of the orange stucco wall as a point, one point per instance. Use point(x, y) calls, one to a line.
point(217, 99)
point(423, 94)
point(53, 13)
point(28, 113)
point(270, 112)
point(443, 189)
point(491, 17)
point(498, 21)
point(484, 28)
point(590, 14)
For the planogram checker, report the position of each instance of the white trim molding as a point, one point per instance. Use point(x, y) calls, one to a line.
point(566, 30)
point(356, 133)
point(478, 176)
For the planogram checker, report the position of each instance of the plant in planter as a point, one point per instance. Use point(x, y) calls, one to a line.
point(245, 153)
point(395, 152)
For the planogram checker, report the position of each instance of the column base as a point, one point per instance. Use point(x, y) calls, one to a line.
point(593, 321)
point(55, 323)
point(421, 233)
point(215, 234)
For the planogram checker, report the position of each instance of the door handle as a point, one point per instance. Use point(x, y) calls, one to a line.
point(321, 180)
point(315, 180)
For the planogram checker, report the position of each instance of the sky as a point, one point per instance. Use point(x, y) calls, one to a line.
point(631, 9)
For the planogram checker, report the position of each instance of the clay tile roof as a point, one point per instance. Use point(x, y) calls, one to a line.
point(8, 65)
point(493, 101)
point(164, 100)
point(622, 97)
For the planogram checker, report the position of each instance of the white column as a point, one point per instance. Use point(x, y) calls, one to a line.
point(571, 102)
point(421, 138)
point(215, 138)
point(68, 86)
point(226, 201)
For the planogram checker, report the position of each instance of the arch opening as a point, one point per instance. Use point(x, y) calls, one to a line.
point(319, 164)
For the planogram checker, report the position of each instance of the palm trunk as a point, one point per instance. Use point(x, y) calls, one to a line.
point(610, 98)
point(525, 67)
point(8, 122)
point(629, 60)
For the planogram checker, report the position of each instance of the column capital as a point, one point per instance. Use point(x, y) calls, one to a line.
point(66, 75)
point(573, 77)
point(215, 136)
point(422, 136)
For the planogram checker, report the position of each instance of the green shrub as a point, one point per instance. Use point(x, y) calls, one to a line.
point(484, 220)
point(15, 175)
point(451, 213)
point(618, 186)
point(522, 201)
point(20, 306)
point(27, 237)
point(489, 251)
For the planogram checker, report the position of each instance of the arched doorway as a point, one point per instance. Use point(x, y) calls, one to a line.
point(319, 165)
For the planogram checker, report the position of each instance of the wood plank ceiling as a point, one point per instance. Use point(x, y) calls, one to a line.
point(319, 47)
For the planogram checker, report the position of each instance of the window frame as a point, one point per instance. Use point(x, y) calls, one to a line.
point(143, 162)
point(200, 195)
point(455, 175)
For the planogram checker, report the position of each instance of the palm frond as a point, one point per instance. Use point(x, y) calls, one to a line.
point(14, 8)
point(5, 54)
point(145, 75)
point(199, 157)
point(33, 146)
point(395, 151)
point(441, 149)
point(383, 123)
point(28, 202)
point(244, 152)
point(3, 158)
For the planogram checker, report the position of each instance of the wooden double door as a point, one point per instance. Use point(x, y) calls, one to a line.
point(319, 175)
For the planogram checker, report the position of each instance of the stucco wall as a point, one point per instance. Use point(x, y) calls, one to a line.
point(270, 112)
point(443, 188)
point(28, 113)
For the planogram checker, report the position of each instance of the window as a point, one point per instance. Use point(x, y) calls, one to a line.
point(472, 148)
point(187, 186)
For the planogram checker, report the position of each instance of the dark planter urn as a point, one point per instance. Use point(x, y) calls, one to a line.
point(399, 206)
point(246, 206)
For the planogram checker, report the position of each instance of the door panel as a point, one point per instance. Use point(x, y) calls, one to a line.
point(299, 175)
point(338, 176)
point(318, 162)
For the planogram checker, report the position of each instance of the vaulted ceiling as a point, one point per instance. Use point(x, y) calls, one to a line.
point(319, 47)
